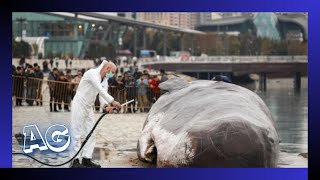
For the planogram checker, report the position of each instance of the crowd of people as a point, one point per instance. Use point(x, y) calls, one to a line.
point(137, 85)
point(62, 88)
point(29, 76)
point(140, 85)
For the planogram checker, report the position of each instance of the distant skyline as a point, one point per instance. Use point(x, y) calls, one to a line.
point(187, 20)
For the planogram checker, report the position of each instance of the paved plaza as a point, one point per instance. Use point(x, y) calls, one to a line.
point(117, 136)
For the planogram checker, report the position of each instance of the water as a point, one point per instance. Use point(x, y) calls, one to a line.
point(290, 112)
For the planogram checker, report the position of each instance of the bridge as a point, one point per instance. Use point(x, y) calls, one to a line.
point(262, 65)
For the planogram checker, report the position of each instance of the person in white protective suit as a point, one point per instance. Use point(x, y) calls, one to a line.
point(82, 116)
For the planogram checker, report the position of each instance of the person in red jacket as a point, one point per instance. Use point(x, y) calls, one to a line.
point(154, 85)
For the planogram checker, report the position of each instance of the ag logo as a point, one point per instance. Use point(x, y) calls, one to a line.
point(56, 138)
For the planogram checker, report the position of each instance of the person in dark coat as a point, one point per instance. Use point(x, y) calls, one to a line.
point(61, 90)
point(120, 88)
point(52, 78)
point(13, 69)
point(39, 75)
point(66, 61)
point(57, 63)
point(51, 63)
point(22, 61)
point(113, 86)
point(18, 85)
point(131, 90)
point(164, 78)
point(31, 85)
point(45, 66)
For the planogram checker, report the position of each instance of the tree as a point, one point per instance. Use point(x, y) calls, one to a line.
point(206, 43)
point(234, 46)
point(266, 47)
point(250, 44)
point(21, 48)
point(280, 48)
point(297, 48)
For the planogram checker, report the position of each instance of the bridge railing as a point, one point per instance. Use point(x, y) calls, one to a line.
point(227, 59)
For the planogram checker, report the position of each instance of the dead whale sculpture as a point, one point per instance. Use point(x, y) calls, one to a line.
point(208, 124)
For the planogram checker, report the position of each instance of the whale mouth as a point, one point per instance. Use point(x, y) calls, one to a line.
point(151, 154)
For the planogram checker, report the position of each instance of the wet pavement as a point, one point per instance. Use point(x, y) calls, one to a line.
point(117, 136)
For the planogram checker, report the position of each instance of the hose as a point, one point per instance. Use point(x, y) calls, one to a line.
point(61, 164)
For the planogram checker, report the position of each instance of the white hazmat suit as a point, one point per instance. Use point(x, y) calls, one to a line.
point(105, 86)
point(82, 116)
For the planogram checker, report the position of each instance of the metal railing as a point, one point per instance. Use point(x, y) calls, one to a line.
point(226, 59)
point(55, 94)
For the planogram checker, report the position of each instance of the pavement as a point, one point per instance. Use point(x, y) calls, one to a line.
point(117, 136)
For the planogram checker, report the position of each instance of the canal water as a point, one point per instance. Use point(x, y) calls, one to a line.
point(289, 110)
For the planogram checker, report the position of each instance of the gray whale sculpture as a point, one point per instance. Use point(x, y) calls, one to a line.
point(208, 124)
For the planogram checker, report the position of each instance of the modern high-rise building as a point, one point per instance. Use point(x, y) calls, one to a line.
point(278, 25)
point(158, 18)
point(185, 20)
point(194, 18)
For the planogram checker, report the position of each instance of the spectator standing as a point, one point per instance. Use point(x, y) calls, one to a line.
point(131, 90)
point(113, 84)
point(31, 86)
point(136, 74)
point(164, 77)
point(66, 61)
point(149, 91)
point(39, 75)
point(154, 85)
point(142, 84)
point(22, 61)
point(120, 87)
point(70, 86)
point(51, 63)
point(13, 69)
point(75, 83)
point(18, 85)
point(57, 63)
point(45, 66)
point(126, 79)
point(70, 63)
point(52, 78)
point(61, 92)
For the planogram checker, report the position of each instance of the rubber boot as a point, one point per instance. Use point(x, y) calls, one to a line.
point(76, 164)
point(88, 163)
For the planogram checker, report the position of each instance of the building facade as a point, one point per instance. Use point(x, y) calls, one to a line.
point(184, 20)
point(284, 26)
